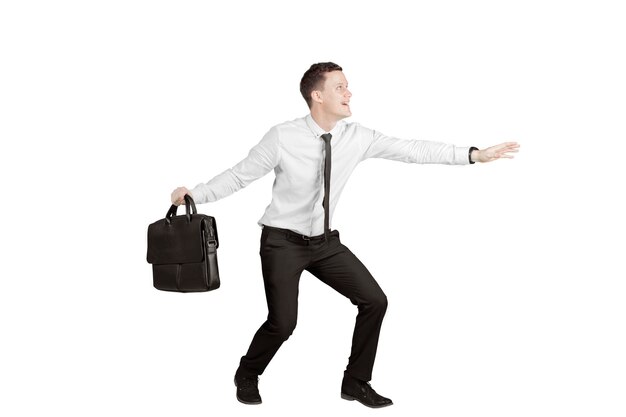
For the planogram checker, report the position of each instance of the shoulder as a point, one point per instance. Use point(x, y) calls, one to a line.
point(282, 129)
point(298, 123)
point(290, 128)
point(357, 129)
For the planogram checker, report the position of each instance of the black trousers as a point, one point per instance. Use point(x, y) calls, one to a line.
point(284, 255)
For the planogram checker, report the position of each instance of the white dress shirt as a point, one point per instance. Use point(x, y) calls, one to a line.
point(295, 151)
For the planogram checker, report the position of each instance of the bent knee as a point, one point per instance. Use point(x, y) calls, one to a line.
point(381, 302)
point(286, 331)
point(377, 302)
point(283, 330)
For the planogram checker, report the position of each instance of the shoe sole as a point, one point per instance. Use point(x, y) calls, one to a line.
point(351, 398)
point(246, 402)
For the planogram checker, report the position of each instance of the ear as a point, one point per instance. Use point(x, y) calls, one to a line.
point(316, 96)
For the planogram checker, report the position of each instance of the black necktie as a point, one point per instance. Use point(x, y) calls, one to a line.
point(326, 137)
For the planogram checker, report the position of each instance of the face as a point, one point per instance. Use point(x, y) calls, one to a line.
point(334, 98)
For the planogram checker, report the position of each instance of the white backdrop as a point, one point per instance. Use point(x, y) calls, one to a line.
point(505, 280)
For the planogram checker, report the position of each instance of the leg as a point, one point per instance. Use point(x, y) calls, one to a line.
point(282, 263)
point(339, 268)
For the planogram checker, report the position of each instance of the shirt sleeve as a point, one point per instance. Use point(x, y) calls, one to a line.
point(378, 145)
point(261, 159)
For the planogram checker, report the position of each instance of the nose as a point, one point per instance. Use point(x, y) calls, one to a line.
point(348, 93)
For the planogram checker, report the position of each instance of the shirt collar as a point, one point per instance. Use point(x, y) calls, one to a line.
point(319, 131)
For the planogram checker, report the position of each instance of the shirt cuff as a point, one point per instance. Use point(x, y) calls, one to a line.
point(197, 195)
point(460, 155)
point(469, 154)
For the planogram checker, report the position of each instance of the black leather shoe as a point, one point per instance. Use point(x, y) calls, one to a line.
point(248, 389)
point(355, 389)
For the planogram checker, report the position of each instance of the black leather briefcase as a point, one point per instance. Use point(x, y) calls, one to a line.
point(183, 251)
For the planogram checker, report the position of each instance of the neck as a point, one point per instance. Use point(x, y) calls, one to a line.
point(323, 120)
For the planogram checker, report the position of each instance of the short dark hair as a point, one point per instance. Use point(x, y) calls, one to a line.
point(313, 77)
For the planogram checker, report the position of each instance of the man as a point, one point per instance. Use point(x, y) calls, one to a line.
point(312, 158)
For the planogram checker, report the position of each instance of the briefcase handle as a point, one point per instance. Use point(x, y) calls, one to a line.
point(188, 202)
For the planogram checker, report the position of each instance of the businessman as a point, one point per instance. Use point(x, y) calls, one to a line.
point(312, 158)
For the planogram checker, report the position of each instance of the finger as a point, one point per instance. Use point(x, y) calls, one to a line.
point(500, 153)
point(507, 145)
point(511, 148)
point(507, 150)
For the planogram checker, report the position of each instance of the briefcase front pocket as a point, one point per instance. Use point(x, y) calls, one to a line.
point(189, 277)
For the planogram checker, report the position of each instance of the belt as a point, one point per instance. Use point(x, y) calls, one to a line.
point(292, 234)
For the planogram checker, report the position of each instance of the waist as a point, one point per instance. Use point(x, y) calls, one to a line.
point(295, 235)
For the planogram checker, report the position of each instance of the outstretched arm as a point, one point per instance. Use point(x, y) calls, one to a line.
point(492, 153)
point(378, 145)
point(261, 160)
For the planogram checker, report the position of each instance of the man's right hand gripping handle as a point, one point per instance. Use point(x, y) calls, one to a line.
point(178, 196)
